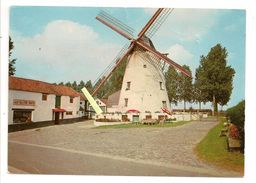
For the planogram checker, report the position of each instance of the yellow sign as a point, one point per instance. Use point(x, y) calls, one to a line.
point(91, 100)
point(24, 102)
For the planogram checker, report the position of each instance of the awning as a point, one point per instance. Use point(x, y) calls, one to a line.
point(165, 110)
point(133, 111)
point(58, 110)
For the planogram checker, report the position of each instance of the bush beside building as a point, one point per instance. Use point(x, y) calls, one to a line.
point(237, 117)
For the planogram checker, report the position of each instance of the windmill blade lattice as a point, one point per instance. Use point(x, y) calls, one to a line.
point(158, 22)
point(111, 65)
point(117, 23)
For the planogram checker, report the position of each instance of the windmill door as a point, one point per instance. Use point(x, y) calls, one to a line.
point(135, 118)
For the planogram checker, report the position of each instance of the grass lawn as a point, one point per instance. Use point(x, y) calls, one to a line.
point(213, 149)
point(139, 125)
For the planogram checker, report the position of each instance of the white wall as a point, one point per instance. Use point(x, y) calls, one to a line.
point(145, 93)
point(42, 109)
point(74, 107)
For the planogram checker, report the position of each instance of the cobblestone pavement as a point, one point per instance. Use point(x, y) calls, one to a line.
point(165, 145)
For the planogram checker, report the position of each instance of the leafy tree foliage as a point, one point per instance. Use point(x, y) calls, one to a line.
point(88, 85)
point(214, 78)
point(172, 84)
point(114, 83)
point(11, 61)
point(68, 84)
point(74, 86)
point(185, 88)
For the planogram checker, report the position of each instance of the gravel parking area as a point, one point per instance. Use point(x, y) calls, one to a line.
point(163, 145)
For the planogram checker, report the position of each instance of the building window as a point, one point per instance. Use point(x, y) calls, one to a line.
point(69, 112)
point(148, 117)
point(71, 99)
point(126, 102)
point(44, 96)
point(22, 116)
point(57, 101)
point(125, 118)
point(128, 85)
point(164, 104)
point(145, 66)
point(161, 85)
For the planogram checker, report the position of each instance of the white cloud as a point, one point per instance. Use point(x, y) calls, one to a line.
point(65, 47)
point(183, 56)
point(179, 54)
point(188, 24)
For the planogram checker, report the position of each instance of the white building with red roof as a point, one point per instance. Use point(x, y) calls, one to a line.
point(38, 101)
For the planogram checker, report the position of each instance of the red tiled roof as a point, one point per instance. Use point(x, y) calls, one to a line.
point(104, 100)
point(30, 85)
point(113, 99)
point(82, 97)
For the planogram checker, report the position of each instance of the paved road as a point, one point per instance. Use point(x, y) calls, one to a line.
point(79, 149)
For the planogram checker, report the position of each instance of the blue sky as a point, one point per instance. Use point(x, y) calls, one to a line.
point(56, 44)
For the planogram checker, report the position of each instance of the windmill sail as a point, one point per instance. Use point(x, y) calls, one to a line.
point(114, 21)
point(143, 42)
point(158, 22)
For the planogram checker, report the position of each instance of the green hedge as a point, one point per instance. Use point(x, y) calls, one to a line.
point(236, 116)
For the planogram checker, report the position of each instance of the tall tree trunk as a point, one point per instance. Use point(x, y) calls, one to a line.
point(216, 108)
point(213, 105)
point(184, 106)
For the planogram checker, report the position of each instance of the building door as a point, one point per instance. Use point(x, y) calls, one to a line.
point(57, 101)
point(57, 118)
point(135, 118)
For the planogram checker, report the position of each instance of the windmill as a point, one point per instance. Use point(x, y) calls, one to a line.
point(143, 87)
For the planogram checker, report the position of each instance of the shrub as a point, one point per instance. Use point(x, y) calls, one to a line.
point(236, 116)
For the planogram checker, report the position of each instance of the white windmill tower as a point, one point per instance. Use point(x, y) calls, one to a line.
point(143, 88)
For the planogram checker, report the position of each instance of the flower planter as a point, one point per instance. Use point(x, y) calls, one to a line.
point(97, 123)
point(233, 144)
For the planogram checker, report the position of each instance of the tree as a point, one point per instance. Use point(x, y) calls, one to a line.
point(68, 84)
point(74, 85)
point(171, 79)
point(185, 87)
point(215, 77)
point(199, 94)
point(11, 61)
point(114, 83)
point(88, 85)
point(61, 83)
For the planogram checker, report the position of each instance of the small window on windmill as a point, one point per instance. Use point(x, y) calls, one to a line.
point(161, 85)
point(128, 85)
point(126, 102)
point(145, 66)
point(164, 104)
